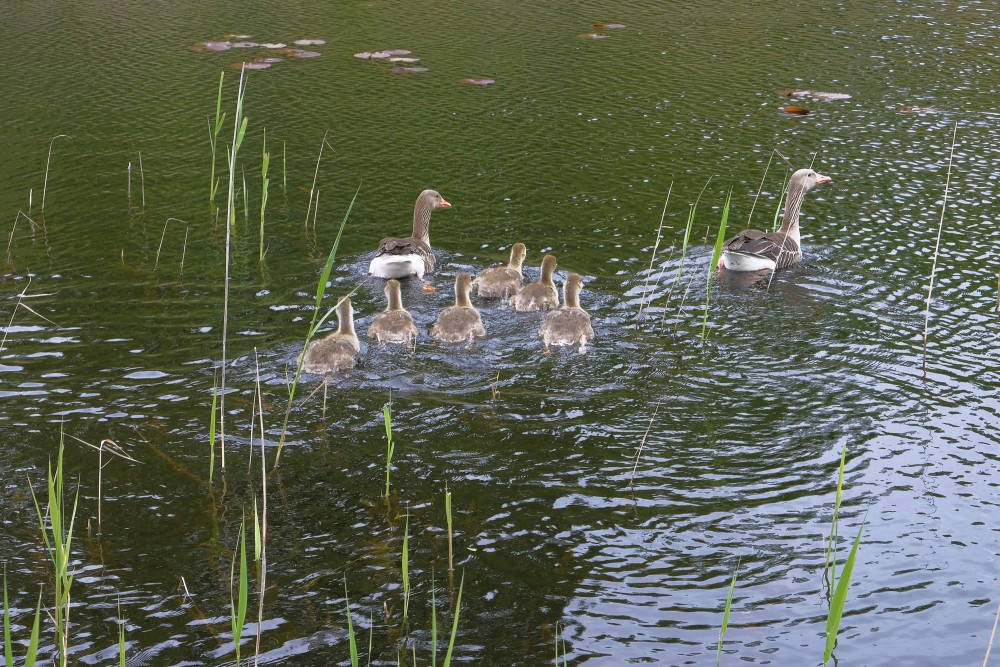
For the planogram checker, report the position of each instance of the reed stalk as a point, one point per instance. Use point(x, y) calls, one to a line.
point(211, 425)
point(351, 639)
point(312, 190)
point(48, 162)
point(454, 624)
point(163, 235)
point(447, 515)
point(260, 526)
point(32, 650)
point(57, 533)
point(684, 248)
point(128, 170)
point(112, 448)
point(142, 182)
point(656, 245)
point(284, 167)
point(390, 446)
point(642, 443)
point(839, 598)
point(213, 138)
point(238, 609)
point(993, 634)
point(405, 566)
point(725, 615)
point(719, 240)
point(830, 563)
point(264, 181)
point(121, 636)
point(184, 248)
point(434, 624)
point(239, 129)
point(314, 324)
point(937, 244)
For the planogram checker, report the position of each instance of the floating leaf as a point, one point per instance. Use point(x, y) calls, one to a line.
point(276, 45)
point(919, 110)
point(815, 94)
point(380, 54)
point(401, 59)
point(213, 46)
point(795, 111)
point(246, 45)
point(309, 42)
point(609, 26)
point(591, 35)
point(398, 52)
point(408, 70)
point(475, 81)
point(364, 55)
point(299, 53)
point(256, 64)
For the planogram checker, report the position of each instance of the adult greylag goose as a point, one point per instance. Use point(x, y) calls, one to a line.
point(542, 295)
point(569, 325)
point(501, 282)
point(394, 324)
point(410, 256)
point(338, 351)
point(753, 250)
point(461, 321)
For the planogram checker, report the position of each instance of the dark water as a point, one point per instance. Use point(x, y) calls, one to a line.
point(606, 497)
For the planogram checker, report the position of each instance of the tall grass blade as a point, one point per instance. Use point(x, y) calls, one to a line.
point(121, 636)
point(830, 568)
point(29, 657)
point(7, 652)
point(390, 447)
point(314, 325)
point(937, 245)
point(652, 259)
point(716, 253)
point(48, 161)
point(725, 615)
point(454, 624)
point(352, 640)
point(213, 138)
point(406, 568)
point(447, 515)
point(238, 612)
point(265, 161)
point(212, 424)
point(434, 624)
point(839, 598)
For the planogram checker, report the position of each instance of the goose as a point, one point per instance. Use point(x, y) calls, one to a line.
point(410, 256)
point(541, 295)
point(570, 324)
point(753, 250)
point(394, 324)
point(338, 351)
point(501, 282)
point(461, 321)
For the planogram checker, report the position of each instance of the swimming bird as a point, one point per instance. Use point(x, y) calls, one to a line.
point(542, 295)
point(461, 321)
point(338, 351)
point(753, 250)
point(410, 256)
point(569, 325)
point(394, 324)
point(501, 282)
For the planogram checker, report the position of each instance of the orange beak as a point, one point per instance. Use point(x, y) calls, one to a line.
point(820, 178)
point(446, 204)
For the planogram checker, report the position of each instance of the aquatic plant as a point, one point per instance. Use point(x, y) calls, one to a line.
point(238, 603)
point(48, 162)
point(390, 446)
point(264, 181)
point(213, 137)
point(719, 240)
point(937, 244)
point(725, 615)
point(316, 323)
point(32, 650)
point(652, 259)
point(57, 534)
point(405, 568)
point(447, 516)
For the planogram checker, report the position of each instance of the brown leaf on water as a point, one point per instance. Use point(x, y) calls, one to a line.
point(600, 25)
point(477, 81)
point(795, 111)
point(592, 35)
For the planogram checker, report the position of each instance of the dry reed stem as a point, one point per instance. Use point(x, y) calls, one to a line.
point(993, 635)
point(642, 444)
point(263, 521)
point(656, 245)
point(48, 161)
point(319, 157)
point(142, 182)
point(184, 248)
point(937, 244)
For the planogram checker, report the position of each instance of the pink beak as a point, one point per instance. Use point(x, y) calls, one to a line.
point(820, 178)
point(445, 204)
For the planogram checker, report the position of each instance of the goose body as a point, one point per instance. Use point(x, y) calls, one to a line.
point(412, 255)
point(542, 295)
point(569, 325)
point(394, 324)
point(753, 250)
point(501, 282)
point(461, 321)
point(338, 351)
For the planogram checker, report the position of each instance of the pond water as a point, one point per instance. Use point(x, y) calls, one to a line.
point(603, 499)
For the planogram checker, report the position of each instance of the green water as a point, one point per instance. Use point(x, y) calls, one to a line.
point(609, 494)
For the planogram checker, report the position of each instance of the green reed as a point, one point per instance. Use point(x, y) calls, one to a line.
point(565, 660)
point(238, 608)
point(692, 209)
point(264, 181)
point(390, 446)
point(57, 533)
point(352, 640)
point(213, 138)
point(405, 566)
point(8, 651)
point(121, 636)
point(725, 615)
point(447, 515)
point(315, 324)
point(454, 624)
point(211, 425)
point(720, 238)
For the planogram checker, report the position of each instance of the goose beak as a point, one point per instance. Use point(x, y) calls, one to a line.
point(445, 204)
point(820, 178)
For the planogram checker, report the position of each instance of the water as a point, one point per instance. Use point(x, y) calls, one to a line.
point(607, 497)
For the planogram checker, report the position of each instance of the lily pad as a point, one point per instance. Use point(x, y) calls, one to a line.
point(476, 81)
point(213, 46)
point(309, 42)
point(796, 111)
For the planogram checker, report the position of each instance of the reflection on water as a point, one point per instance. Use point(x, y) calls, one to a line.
point(605, 498)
